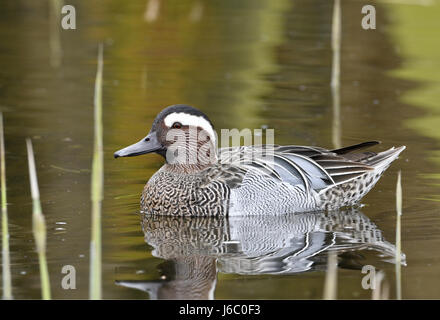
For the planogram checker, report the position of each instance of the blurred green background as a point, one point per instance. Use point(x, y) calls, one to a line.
point(247, 64)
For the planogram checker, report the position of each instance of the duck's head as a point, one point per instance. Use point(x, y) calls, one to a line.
point(181, 134)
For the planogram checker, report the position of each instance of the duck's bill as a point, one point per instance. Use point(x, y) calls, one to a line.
point(147, 145)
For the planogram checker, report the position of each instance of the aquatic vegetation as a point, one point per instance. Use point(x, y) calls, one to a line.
point(398, 237)
point(265, 64)
point(6, 275)
point(381, 290)
point(97, 188)
point(38, 223)
point(336, 73)
point(56, 51)
point(331, 277)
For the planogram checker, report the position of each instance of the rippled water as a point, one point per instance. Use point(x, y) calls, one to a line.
point(246, 64)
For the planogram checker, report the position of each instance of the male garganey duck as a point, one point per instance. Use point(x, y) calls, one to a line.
point(199, 180)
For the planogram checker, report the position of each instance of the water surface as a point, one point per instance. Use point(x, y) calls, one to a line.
point(246, 64)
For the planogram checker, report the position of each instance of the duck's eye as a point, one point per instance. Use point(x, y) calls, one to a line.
point(176, 125)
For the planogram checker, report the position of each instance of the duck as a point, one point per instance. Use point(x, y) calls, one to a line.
point(199, 179)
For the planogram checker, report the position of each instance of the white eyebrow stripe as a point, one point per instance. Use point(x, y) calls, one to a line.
point(190, 120)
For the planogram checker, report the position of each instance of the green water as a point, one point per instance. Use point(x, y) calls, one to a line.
point(247, 64)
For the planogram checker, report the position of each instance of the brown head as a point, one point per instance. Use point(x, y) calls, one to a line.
point(181, 134)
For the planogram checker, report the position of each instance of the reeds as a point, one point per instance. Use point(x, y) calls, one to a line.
point(398, 237)
point(381, 288)
point(6, 275)
point(336, 71)
point(38, 223)
point(95, 289)
point(152, 10)
point(55, 32)
point(331, 277)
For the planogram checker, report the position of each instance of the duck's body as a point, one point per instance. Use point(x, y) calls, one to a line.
point(243, 189)
point(251, 180)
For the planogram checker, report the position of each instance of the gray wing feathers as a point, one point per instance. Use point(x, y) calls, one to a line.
point(309, 167)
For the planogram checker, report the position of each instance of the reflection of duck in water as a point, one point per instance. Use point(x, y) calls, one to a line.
point(196, 248)
point(199, 180)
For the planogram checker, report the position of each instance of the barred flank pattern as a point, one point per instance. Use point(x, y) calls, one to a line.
point(181, 194)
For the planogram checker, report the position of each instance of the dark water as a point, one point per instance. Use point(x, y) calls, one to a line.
point(246, 64)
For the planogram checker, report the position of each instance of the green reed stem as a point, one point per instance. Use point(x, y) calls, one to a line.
point(55, 32)
point(38, 223)
point(6, 275)
point(336, 71)
point(381, 290)
point(398, 237)
point(97, 187)
point(331, 277)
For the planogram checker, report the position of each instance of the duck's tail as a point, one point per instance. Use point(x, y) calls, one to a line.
point(382, 160)
point(351, 192)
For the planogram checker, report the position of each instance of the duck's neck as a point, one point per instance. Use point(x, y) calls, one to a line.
point(185, 168)
point(190, 158)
